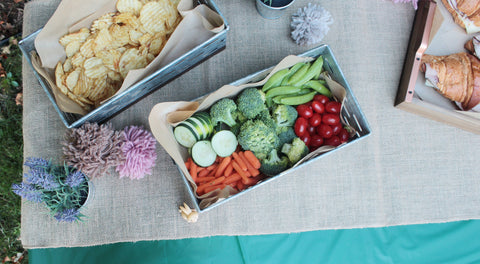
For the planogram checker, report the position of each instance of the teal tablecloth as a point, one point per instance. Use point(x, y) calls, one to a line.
point(454, 242)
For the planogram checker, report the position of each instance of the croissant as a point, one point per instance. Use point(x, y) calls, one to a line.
point(466, 13)
point(455, 76)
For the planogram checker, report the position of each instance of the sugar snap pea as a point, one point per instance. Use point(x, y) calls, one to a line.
point(314, 70)
point(275, 79)
point(298, 99)
point(280, 90)
point(319, 87)
point(292, 70)
point(298, 75)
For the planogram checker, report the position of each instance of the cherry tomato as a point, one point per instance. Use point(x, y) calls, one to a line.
point(321, 98)
point(333, 107)
point(304, 110)
point(300, 126)
point(316, 140)
point(307, 139)
point(318, 107)
point(330, 119)
point(311, 130)
point(343, 135)
point(315, 120)
point(324, 131)
point(337, 128)
point(333, 141)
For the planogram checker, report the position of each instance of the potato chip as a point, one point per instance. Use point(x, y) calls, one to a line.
point(98, 88)
point(110, 58)
point(170, 14)
point(114, 76)
point(152, 17)
point(131, 59)
point(67, 65)
point(87, 48)
point(77, 60)
point(157, 43)
point(135, 35)
point(94, 68)
point(127, 19)
point(129, 6)
point(102, 40)
point(72, 48)
point(145, 39)
point(102, 22)
point(80, 35)
point(72, 79)
point(120, 36)
point(59, 74)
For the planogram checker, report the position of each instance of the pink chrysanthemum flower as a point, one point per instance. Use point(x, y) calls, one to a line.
point(139, 152)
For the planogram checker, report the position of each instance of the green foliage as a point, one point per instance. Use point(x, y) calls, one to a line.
point(11, 156)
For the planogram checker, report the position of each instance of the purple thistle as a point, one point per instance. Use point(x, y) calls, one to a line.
point(27, 191)
point(139, 152)
point(39, 175)
point(75, 178)
point(68, 215)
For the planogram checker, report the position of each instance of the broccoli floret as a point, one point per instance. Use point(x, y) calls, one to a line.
point(285, 135)
point(284, 115)
point(240, 117)
point(274, 164)
point(254, 135)
point(267, 119)
point(251, 102)
point(296, 150)
point(224, 111)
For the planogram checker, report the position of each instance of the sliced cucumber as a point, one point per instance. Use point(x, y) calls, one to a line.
point(197, 127)
point(203, 153)
point(224, 143)
point(185, 135)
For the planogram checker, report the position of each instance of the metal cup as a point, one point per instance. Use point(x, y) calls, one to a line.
point(275, 11)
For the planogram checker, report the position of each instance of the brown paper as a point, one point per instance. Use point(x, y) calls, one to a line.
point(198, 25)
point(164, 116)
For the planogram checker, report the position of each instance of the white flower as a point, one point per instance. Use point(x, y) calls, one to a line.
point(310, 24)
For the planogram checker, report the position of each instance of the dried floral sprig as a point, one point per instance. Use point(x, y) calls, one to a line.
point(310, 24)
point(93, 148)
point(63, 189)
point(139, 150)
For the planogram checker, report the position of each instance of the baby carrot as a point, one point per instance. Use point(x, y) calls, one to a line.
point(214, 187)
point(212, 167)
point(222, 166)
point(205, 179)
point(250, 168)
point(228, 170)
point(252, 159)
point(203, 173)
point(239, 170)
point(187, 163)
point(232, 178)
point(240, 185)
point(239, 160)
point(217, 180)
point(193, 171)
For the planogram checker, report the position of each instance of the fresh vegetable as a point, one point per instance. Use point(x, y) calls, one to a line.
point(275, 80)
point(319, 87)
point(298, 75)
point(292, 71)
point(251, 101)
point(197, 127)
point(284, 115)
point(259, 138)
point(300, 127)
point(224, 143)
point(282, 90)
point(224, 111)
point(285, 135)
point(295, 151)
point(274, 164)
point(297, 99)
point(239, 170)
point(203, 153)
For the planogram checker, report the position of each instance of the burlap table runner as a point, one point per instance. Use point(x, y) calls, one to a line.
point(410, 170)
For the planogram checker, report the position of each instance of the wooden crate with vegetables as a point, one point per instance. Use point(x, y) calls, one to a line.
point(251, 132)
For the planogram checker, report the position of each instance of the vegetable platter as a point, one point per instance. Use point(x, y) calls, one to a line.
point(260, 127)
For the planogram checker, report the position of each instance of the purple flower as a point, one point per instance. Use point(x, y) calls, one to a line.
point(68, 215)
point(139, 151)
point(27, 191)
point(37, 163)
point(75, 178)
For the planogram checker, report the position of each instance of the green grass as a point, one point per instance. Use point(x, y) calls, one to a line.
point(11, 154)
